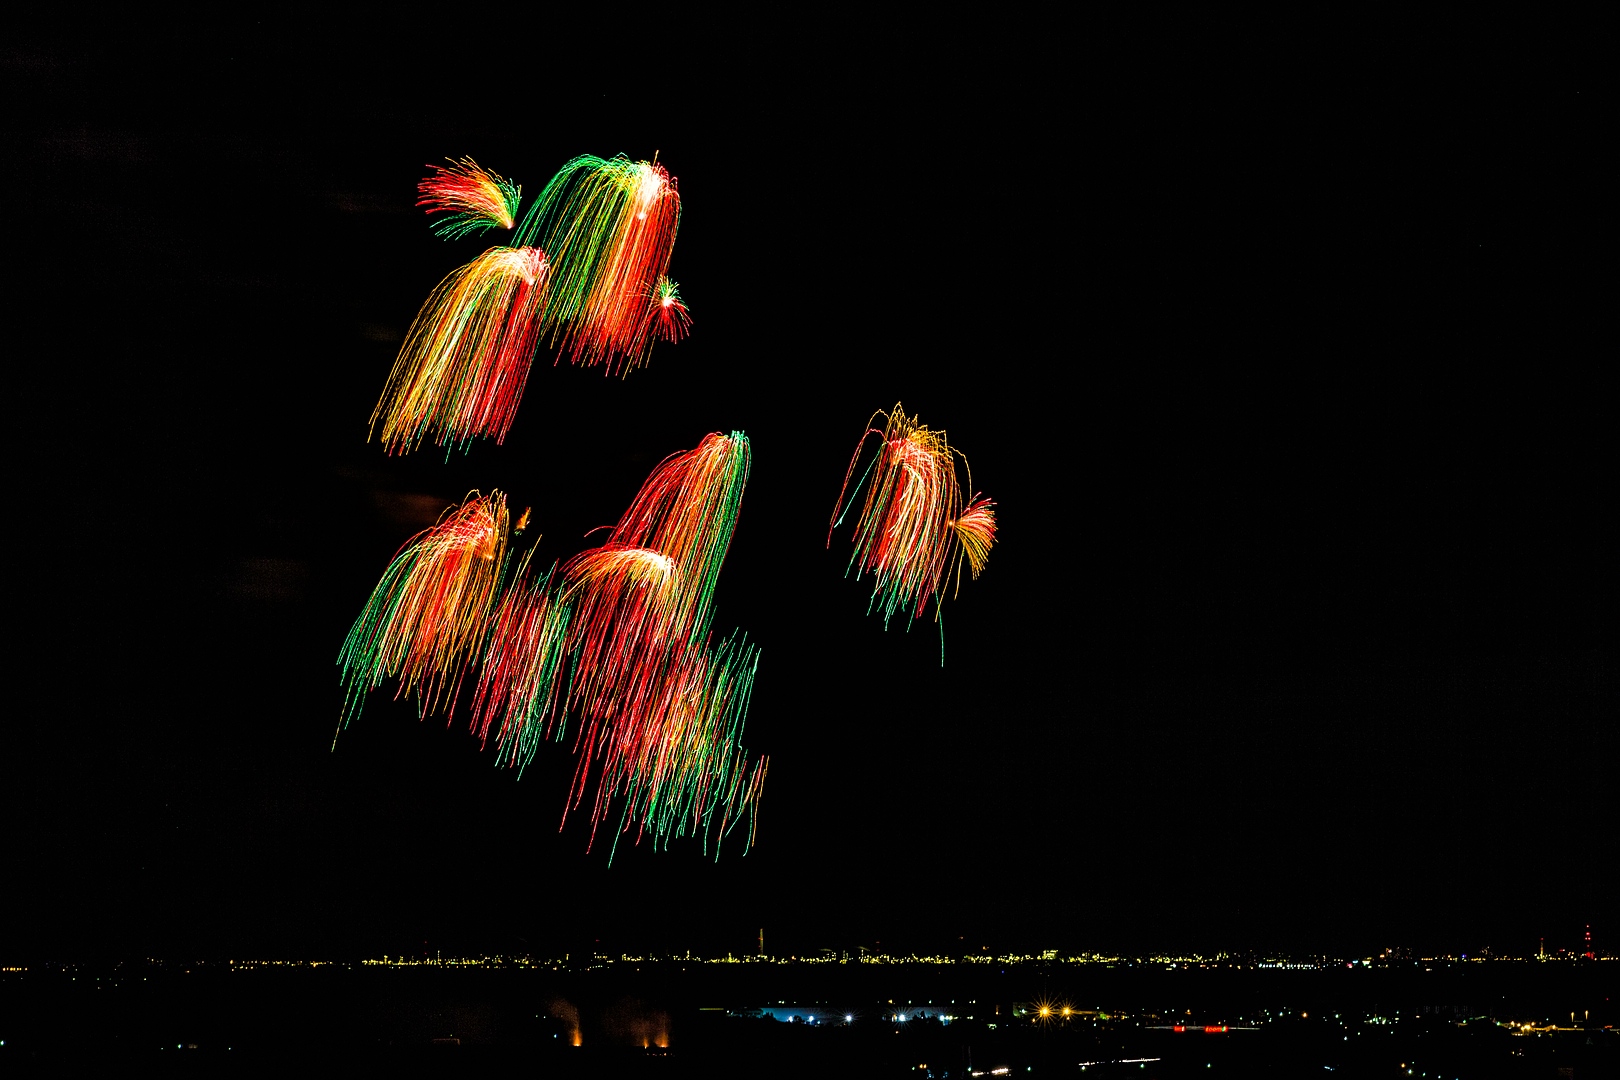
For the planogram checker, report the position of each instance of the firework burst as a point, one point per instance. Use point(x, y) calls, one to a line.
point(609, 225)
point(462, 368)
point(641, 635)
point(673, 320)
point(687, 509)
point(976, 530)
point(912, 525)
point(470, 198)
point(426, 619)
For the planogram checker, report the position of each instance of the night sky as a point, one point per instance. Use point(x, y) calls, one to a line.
point(1284, 375)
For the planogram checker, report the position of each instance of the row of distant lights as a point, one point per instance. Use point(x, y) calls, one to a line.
point(881, 959)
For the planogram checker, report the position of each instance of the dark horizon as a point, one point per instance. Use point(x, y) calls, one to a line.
point(1298, 631)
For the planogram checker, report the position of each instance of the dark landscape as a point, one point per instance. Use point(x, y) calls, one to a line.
point(878, 1016)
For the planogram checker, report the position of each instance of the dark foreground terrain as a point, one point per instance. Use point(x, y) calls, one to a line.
point(684, 1018)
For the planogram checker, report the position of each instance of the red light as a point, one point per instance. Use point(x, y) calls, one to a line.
point(1179, 1027)
point(1214, 1027)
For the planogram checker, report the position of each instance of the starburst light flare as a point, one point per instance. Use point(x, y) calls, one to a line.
point(470, 198)
point(466, 357)
point(425, 622)
point(912, 525)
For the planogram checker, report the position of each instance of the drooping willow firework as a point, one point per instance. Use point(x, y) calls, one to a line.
point(617, 637)
point(637, 645)
point(462, 369)
point(470, 198)
point(913, 527)
point(687, 511)
point(609, 226)
point(425, 621)
point(587, 275)
point(632, 619)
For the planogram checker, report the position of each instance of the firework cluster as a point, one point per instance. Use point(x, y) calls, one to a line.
point(915, 529)
point(616, 640)
point(611, 650)
point(587, 274)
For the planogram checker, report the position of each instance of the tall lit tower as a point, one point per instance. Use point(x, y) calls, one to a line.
point(762, 940)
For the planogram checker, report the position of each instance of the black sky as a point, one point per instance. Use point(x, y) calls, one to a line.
point(1284, 370)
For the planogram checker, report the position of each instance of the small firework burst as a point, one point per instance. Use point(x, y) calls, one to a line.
point(912, 526)
point(669, 311)
point(468, 198)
